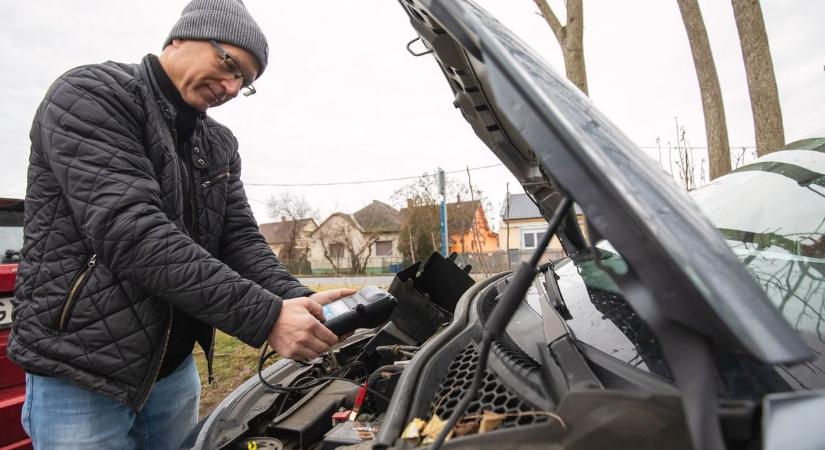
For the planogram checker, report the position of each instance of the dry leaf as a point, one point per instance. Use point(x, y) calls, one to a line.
point(465, 428)
point(490, 421)
point(413, 429)
point(433, 427)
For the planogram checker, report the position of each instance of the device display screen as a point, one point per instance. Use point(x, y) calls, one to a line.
point(335, 309)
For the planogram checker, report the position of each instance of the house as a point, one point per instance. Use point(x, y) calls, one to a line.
point(522, 225)
point(467, 226)
point(365, 241)
point(289, 239)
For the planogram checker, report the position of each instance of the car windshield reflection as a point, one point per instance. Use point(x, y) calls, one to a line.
point(772, 214)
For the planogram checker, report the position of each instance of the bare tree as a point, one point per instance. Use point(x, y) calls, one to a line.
point(686, 163)
point(767, 114)
point(419, 235)
point(739, 160)
point(716, 128)
point(341, 242)
point(476, 236)
point(291, 208)
point(570, 37)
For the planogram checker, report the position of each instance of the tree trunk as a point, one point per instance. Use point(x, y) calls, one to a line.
point(767, 114)
point(570, 37)
point(715, 126)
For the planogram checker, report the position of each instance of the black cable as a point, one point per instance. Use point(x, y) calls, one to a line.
point(312, 384)
point(355, 182)
point(276, 387)
point(286, 396)
point(378, 373)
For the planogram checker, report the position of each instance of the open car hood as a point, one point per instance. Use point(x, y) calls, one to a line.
point(556, 143)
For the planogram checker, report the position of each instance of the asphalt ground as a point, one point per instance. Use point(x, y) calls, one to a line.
point(348, 281)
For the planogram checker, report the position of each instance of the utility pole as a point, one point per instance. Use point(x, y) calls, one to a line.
point(442, 189)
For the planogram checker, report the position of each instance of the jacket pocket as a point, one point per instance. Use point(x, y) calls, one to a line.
point(220, 177)
point(74, 289)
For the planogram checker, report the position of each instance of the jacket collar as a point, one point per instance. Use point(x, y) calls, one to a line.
point(167, 105)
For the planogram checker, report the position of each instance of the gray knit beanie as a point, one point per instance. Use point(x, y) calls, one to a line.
point(225, 21)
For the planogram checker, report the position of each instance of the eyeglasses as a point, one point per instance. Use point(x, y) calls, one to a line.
point(235, 69)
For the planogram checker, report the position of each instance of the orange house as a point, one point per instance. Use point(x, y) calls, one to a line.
point(468, 228)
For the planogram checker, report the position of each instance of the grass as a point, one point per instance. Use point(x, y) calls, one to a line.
point(234, 363)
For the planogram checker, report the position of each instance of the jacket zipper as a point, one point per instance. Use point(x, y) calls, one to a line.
point(165, 342)
point(74, 290)
point(163, 346)
point(216, 179)
point(211, 353)
point(210, 376)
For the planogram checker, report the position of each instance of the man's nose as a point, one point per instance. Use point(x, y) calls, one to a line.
point(232, 87)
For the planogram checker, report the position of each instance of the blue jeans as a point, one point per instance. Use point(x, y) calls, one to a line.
point(60, 415)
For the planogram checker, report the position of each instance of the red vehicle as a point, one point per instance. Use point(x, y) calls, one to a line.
point(12, 378)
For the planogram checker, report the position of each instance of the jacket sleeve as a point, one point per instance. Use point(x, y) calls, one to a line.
point(244, 249)
point(90, 130)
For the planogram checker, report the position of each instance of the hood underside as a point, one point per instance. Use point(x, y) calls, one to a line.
point(557, 144)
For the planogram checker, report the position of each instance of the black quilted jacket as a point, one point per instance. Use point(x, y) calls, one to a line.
point(105, 260)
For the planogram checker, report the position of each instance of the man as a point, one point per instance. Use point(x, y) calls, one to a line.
point(140, 241)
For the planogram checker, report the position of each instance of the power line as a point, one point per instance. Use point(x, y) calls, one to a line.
point(691, 147)
point(378, 180)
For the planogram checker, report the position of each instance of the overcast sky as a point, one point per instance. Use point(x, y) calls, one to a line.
point(342, 100)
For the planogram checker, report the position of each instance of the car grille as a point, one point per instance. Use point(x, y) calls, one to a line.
point(492, 395)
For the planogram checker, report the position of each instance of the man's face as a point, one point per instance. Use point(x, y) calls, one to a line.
point(203, 74)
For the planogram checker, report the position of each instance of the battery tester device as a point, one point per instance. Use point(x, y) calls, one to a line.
point(367, 308)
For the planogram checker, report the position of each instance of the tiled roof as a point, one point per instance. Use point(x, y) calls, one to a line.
point(279, 232)
point(378, 217)
point(460, 215)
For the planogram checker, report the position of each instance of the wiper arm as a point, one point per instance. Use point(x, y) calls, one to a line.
point(12, 255)
point(553, 293)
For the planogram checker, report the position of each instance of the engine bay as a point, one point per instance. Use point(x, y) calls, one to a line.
point(395, 386)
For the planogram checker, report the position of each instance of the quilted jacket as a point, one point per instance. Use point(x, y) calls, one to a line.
point(105, 259)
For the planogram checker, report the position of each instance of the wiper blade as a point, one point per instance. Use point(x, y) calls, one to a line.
point(553, 292)
point(11, 255)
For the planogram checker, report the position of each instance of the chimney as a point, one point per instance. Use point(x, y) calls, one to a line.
point(283, 218)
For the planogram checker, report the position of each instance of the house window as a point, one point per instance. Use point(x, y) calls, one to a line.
point(531, 238)
point(383, 248)
point(336, 250)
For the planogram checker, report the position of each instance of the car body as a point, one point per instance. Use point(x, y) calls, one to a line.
point(12, 378)
point(653, 333)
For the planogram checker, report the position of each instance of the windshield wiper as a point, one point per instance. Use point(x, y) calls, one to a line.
point(11, 255)
point(553, 293)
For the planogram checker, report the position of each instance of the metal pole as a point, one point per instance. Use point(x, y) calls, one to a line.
point(442, 189)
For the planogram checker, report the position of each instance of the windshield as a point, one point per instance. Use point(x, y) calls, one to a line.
point(772, 214)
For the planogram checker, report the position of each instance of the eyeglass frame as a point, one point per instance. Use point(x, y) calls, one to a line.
point(227, 59)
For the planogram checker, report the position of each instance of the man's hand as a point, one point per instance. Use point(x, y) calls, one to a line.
point(298, 333)
point(330, 296)
point(324, 297)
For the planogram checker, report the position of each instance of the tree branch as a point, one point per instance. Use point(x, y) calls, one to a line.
point(551, 19)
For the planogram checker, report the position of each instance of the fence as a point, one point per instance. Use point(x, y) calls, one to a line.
point(495, 262)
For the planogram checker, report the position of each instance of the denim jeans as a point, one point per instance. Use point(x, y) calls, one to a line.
point(60, 415)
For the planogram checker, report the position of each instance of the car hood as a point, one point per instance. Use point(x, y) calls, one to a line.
point(555, 142)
